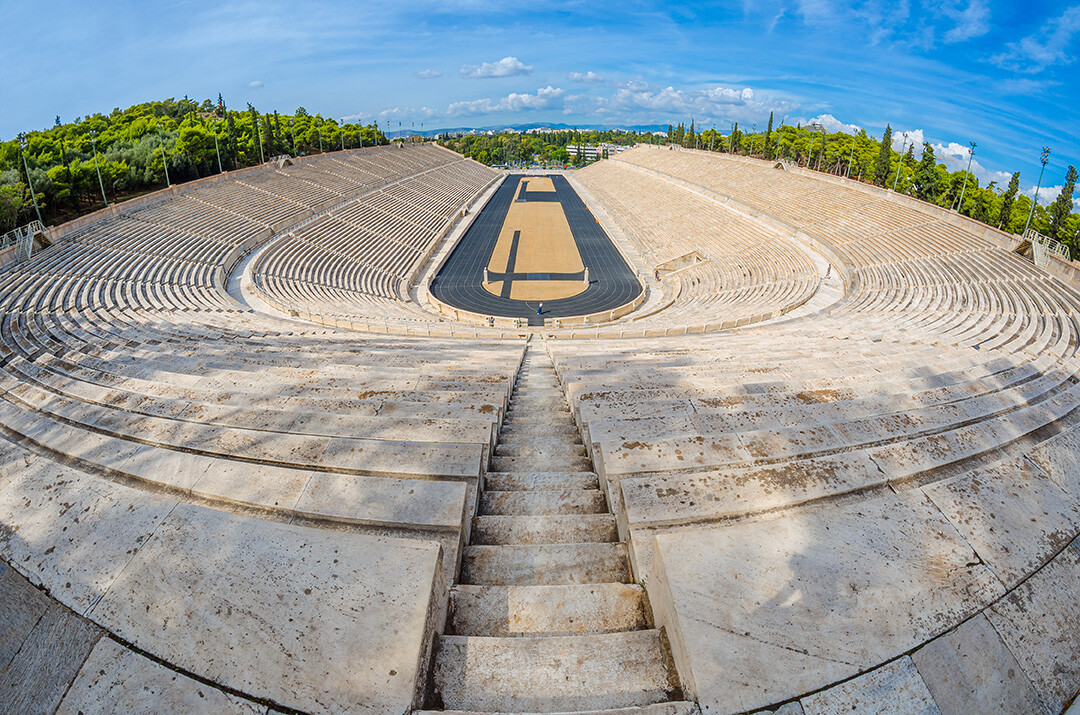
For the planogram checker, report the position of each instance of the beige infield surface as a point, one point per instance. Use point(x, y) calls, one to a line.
point(545, 245)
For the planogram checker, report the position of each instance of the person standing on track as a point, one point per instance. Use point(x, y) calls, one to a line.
point(540, 310)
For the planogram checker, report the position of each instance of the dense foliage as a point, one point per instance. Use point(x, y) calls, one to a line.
point(132, 149)
point(858, 156)
point(549, 148)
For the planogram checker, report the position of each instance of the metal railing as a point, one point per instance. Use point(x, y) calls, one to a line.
point(1043, 246)
point(23, 237)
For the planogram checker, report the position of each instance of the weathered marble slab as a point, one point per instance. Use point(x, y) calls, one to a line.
point(385, 501)
point(1039, 622)
point(892, 689)
point(1014, 516)
point(969, 670)
point(21, 606)
point(1060, 459)
point(118, 680)
point(690, 452)
point(310, 619)
point(761, 612)
point(74, 533)
point(51, 655)
point(670, 499)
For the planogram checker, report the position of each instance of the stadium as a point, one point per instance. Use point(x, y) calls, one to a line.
point(299, 438)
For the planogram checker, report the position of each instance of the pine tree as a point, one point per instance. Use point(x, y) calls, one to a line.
point(925, 181)
point(1062, 206)
point(1008, 200)
point(881, 167)
point(768, 138)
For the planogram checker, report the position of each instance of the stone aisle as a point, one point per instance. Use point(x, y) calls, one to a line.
point(545, 618)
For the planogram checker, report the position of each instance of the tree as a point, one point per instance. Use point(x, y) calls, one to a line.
point(1062, 207)
point(768, 138)
point(926, 175)
point(1008, 200)
point(881, 166)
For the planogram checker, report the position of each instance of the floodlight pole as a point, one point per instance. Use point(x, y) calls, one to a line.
point(319, 127)
point(1035, 202)
point(753, 142)
point(903, 146)
point(164, 159)
point(217, 150)
point(851, 157)
point(258, 133)
point(971, 155)
point(30, 183)
point(93, 145)
point(810, 155)
point(343, 133)
point(292, 132)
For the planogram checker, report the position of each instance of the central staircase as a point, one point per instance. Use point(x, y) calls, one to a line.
point(545, 618)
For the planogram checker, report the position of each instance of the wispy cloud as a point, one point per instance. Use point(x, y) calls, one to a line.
point(255, 84)
point(1048, 47)
point(429, 74)
point(506, 67)
point(972, 20)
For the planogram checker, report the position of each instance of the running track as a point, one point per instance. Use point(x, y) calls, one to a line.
point(611, 282)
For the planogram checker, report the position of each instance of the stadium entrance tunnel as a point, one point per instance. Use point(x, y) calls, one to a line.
point(536, 242)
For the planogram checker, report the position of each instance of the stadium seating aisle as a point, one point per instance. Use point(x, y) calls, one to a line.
point(892, 468)
point(152, 427)
point(870, 501)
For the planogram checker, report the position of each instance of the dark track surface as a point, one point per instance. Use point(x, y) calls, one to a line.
point(611, 282)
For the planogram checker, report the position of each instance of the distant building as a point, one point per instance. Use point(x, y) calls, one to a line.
point(592, 153)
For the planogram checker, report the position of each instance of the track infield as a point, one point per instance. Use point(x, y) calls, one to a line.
point(535, 237)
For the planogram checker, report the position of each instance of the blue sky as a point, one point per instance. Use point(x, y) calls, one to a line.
point(946, 71)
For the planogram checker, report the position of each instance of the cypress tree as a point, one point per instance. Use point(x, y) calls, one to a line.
point(1008, 200)
point(881, 167)
point(768, 138)
point(1062, 206)
point(926, 177)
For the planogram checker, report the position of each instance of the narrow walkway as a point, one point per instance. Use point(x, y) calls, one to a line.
point(545, 618)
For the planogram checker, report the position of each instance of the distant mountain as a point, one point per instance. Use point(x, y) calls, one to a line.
point(521, 128)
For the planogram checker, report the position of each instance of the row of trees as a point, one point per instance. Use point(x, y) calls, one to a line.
point(134, 148)
point(549, 148)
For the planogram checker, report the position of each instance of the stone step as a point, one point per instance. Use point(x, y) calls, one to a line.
point(545, 564)
point(562, 673)
point(540, 447)
point(546, 610)
point(527, 402)
point(540, 480)
point(514, 428)
point(526, 418)
point(552, 463)
point(544, 529)
point(681, 707)
point(553, 501)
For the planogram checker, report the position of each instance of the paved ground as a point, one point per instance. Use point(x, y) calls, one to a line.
point(460, 282)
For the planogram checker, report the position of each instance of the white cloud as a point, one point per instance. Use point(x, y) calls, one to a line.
point(831, 124)
point(256, 84)
point(545, 98)
point(706, 105)
point(955, 158)
point(1035, 53)
point(902, 139)
point(428, 74)
point(1047, 194)
point(971, 21)
point(589, 77)
point(506, 67)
